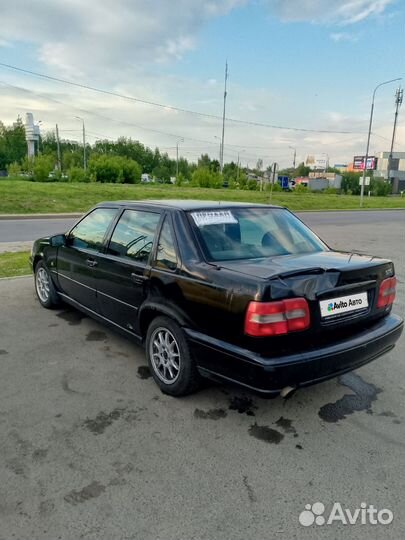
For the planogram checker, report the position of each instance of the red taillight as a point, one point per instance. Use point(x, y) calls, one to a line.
point(386, 295)
point(277, 318)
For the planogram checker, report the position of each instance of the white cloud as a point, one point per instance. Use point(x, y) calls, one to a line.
point(328, 11)
point(105, 35)
point(337, 37)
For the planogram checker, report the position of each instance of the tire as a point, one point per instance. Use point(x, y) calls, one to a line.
point(44, 287)
point(169, 358)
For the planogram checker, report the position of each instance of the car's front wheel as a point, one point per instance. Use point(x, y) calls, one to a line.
point(44, 287)
point(170, 359)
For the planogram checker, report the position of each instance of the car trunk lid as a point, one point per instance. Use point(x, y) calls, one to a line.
point(341, 288)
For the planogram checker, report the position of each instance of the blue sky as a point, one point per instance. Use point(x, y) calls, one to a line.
point(309, 64)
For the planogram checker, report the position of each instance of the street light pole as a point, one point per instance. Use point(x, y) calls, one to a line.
point(221, 162)
point(399, 94)
point(369, 135)
point(295, 155)
point(84, 143)
point(177, 158)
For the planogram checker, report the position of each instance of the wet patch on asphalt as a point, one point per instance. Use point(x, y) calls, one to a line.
point(73, 317)
point(96, 335)
point(93, 490)
point(3, 351)
point(249, 490)
point(144, 372)
point(286, 425)
point(40, 454)
point(266, 434)
point(103, 420)
point(388, 414)
point(66, 387)
point(211, 414)
point(364, 394)
point(243, 405)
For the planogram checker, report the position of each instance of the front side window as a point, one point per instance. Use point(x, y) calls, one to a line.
point(134, 235)
point(90, 232)
point(252, 233)
point(166, 257)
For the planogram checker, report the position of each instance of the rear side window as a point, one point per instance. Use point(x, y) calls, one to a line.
point(134, 235)
point(253, 233)
point(166, 257)
point(90, 232)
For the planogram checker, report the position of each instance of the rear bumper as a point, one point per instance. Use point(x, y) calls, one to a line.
point(224, 361)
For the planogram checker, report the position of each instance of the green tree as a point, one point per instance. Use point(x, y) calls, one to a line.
point(351, 182)
point(301, 170)
point(131, 171)
point(162, 173)
point(13, 146)
point(106, 169)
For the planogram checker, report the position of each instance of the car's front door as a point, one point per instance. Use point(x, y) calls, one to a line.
point(124, 268)
point(77, 261)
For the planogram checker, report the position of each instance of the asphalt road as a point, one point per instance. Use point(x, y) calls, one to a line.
point(91, 449)
point(22, 230)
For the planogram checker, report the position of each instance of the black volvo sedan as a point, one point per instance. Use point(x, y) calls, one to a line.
point(242, 293)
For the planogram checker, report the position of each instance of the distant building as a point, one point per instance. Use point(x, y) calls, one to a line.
point(341, 167)
point(396, 172)
point(318, 181)
point(332, 180)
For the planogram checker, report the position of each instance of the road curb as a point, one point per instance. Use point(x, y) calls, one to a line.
point(16, 277)
point(40, 216)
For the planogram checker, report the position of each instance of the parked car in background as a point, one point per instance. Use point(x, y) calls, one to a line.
point(240, 293)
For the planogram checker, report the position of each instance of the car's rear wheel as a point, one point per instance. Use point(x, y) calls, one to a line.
point(170, 359)
point(44, 287)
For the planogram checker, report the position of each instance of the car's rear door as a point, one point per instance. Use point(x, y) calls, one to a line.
point(77, 261)
point(123, 270)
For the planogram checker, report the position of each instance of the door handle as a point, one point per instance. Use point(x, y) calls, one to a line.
point(91, 262)
point(138, 279)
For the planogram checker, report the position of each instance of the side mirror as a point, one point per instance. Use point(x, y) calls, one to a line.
point(58, 240)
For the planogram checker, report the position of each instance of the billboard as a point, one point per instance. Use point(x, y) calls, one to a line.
point(358, 163)
point(317, 162)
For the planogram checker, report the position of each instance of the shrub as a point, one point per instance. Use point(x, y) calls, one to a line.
point(330, 191)
point(252, 185)
point(106, 169)
point(380, 187)
point(203, 177)
point(77, 174)
point(115, 169)
point(43, 165)
point(276, 187)
point(299, 188)
point(14, 169)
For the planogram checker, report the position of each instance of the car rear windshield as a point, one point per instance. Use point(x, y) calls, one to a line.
point(252, 233)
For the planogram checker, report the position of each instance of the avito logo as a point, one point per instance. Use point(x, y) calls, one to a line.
point(343, 305)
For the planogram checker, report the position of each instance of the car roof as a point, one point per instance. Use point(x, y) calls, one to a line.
point(188, 204)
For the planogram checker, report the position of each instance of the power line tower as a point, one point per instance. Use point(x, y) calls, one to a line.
point(223, 118)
